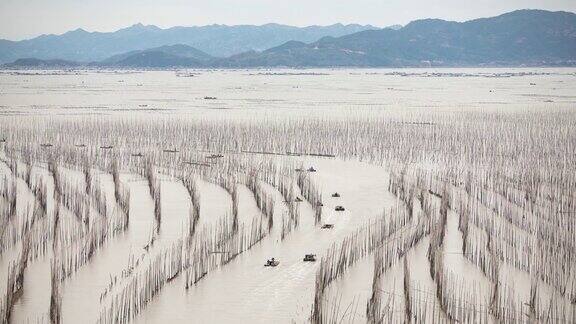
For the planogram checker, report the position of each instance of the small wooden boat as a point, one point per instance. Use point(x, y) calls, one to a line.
point(215, 156)
point(272, 263)
point(335, 195)
point(310, 258)
point(107, 147)
point(46, 145)
point(137, 155)
point(170, 151)
point(339, 208)
point(311, 169)
point(298, 199)
point(327, 226)
point(209, 98)
point(80, 145)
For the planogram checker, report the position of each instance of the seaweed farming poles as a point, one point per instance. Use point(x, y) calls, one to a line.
point(194, 214)
point(279, 177)
point(310, 191)
point(15, 225)
point(155, 190)
point(285, 185)
point(400, 187)
point(341, 256)
point(9, 192)
point(374, 313)
point(216, 245)
point(235, 202)
point(87, 172)
point(15, 280)
point(497, 236)
point(264, 201)
point(23, 173)
point(55, 293)
point(228, 182)
point(121, 194)
point(143, 285)
point(81, 235)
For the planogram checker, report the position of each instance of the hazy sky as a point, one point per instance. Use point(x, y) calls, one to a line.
point(21, 19)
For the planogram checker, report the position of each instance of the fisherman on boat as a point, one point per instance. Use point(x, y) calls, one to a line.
point(272, 263)
point(310, 257)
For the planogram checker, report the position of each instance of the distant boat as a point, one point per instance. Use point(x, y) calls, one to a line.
point(327, 226)
point(107, 147)
point(197, 163)
point(339, 208)
point(335, 195)
point(209, 98)
point(185, 75)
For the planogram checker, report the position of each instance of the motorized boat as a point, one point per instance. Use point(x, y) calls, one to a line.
point(339, 208)
point(310, 258)
point(271, 263)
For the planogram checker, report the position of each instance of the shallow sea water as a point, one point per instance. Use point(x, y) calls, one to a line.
point(244, 291)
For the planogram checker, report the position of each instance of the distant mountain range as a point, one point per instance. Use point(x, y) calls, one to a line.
point(216, 40)
point(160, 57)
point(523, 37)
point(532, 37)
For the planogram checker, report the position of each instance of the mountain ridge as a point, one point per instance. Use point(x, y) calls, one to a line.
point(216, 40)
point(522, 37)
